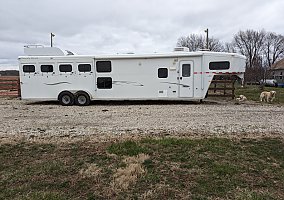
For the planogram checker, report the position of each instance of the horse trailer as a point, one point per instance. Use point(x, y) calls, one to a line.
point(47, 73)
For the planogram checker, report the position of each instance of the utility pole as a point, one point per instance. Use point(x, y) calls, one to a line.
point(51, 36)
point(207, 38)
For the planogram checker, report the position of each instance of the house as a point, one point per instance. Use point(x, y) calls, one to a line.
point(277, 72)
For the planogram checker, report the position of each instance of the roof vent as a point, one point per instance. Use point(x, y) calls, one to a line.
point(69, 53)
point(184, 49)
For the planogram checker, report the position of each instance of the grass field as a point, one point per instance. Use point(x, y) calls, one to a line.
point(252, 92)
point(166, 168)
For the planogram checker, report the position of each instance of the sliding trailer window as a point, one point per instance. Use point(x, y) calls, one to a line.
point(103, 66)
point(65, 68)
point(163, 73)
point(84, 67)
point(46, 68)
point(104, 82)
point(221, 65)
point(28, 68)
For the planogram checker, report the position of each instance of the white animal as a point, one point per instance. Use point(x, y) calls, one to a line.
point(267, 96)
point(241, 98)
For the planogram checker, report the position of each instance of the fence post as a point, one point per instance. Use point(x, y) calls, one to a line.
point(19, 87)
point(225, 88)
point(233, 90)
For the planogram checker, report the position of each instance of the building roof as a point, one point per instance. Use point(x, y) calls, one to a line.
point(278, 65)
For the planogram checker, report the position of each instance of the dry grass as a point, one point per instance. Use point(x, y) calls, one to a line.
point(125, 176)
point(92, 171)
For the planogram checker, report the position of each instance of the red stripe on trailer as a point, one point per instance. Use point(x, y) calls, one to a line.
point(217, 73)
point(228, 73)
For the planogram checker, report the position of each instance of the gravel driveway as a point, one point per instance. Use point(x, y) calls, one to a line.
point(102, 121)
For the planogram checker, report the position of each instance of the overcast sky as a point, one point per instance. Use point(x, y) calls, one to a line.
point(121, 26)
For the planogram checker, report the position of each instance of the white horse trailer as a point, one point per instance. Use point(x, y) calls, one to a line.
point(46, 73)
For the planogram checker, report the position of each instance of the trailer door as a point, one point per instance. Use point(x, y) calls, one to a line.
point(185, 77)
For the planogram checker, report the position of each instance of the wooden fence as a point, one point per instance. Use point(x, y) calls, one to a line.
point(10, 86)
point(222, 88)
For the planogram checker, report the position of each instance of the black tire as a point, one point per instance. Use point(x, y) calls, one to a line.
point(82, 98)
point(66, 98)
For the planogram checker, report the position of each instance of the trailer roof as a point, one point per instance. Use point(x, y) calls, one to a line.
point(139, 56)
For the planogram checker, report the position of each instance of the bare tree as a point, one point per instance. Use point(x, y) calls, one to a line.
point(196, 42)
point(273, 48)
point(250, 44)
point(229, 47)
point(215, 45)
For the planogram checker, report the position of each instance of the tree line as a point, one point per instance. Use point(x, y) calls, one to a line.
point(261, 48)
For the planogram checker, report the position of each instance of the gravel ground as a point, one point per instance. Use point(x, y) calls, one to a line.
point(114, 120)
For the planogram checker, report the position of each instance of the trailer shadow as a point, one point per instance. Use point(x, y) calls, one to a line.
point(142, 102)
point(131, 102)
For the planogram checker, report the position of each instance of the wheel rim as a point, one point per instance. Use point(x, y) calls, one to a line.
point(66, 99)
point(82, 99)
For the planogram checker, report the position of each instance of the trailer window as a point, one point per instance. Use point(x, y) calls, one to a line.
point(28, 68)
point(186, 70)
point(163, 72)
point(46, 68)
point(219, 65)
point(103, 66)
point(65, 68)
point(104, 82)
point(84, 67)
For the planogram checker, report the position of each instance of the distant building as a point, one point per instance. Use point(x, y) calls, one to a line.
point(277, 72)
